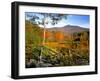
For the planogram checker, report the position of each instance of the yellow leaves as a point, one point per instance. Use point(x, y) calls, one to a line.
point(55, 44)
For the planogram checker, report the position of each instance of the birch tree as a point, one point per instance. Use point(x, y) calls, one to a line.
point(44, 19)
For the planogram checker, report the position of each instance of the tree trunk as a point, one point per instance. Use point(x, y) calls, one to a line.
point(43, 43)
point(44, 32)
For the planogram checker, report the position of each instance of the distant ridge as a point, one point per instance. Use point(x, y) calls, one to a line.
point(68, 29)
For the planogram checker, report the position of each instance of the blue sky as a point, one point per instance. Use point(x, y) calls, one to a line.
point(76, 20)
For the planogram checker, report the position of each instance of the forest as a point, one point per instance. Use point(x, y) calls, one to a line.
point(59, 49)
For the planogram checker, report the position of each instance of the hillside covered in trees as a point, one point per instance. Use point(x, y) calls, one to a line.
point(65, 46)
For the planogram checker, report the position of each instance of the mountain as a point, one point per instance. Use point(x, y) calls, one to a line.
point(68, 29)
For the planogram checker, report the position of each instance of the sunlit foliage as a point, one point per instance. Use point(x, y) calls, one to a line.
point(59, 49)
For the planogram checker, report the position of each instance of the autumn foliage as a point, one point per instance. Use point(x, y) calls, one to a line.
point(59, 36)
point(59, 49)
point(47, 34)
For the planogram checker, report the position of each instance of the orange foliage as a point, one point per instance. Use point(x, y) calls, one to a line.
point(59, 36)
point(47, 34)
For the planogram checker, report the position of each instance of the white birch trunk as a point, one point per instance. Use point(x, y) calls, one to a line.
point(44, 33)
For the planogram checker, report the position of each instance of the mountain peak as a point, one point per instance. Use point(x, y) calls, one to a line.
point(69, 29)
